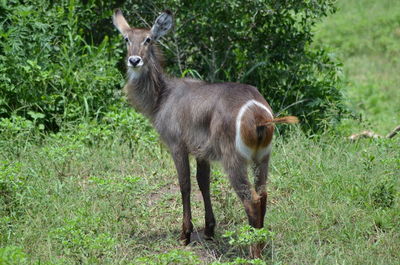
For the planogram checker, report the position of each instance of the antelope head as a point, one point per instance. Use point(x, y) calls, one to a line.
point(140, 41)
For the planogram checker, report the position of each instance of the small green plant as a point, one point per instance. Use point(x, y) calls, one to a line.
point(64, 156)
point(16, 127)
point(115, 183)
point(80, 237)
point(12, 187)
point(12, 255)
point(247, 235)
point(369, 160)
point(383, 195)
point(176, 256)
point(130, 125)
point(241, 261)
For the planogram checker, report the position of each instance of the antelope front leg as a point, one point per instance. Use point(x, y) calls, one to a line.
point(181, 160)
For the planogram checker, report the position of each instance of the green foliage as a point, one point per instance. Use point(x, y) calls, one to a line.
point(263, 43)
point(131, 126)
point(118, 120)
point(18, 128)
point(383, 195)
point(12, 196)
point(12, 188)
point(59, 61)
point(48, 71)
point(12, 255)
point(247, 235)
point(241, 261)
point(80, 236)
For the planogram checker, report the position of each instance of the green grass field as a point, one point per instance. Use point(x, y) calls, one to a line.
point(365, 36)
point(330, 201)
point(97, 195)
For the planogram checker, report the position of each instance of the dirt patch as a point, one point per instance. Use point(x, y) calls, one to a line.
point(173, 188)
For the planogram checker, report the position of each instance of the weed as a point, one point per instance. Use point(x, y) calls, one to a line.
point(12, 255)
point(247, 235)
point(383, 195)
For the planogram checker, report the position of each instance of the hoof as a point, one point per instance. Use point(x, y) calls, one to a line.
point(185, 239)
point(208, 234)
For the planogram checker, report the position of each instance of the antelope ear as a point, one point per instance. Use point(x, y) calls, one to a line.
point(162, 25)
point(120, 22)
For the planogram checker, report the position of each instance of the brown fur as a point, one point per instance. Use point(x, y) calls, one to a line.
point(255, 135)
point(287, 119)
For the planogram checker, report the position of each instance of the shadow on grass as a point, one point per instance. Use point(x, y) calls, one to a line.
point(219, 249)
point(208, 250)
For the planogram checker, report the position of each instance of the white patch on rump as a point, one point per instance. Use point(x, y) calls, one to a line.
point(242, 148)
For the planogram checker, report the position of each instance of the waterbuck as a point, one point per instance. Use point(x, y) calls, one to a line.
point(228, 122)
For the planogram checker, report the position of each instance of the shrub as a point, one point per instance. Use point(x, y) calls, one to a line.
point(262, 43)
point(48, 68)
point(58, 57)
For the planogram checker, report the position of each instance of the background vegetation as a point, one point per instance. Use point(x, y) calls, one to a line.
point(59, 58)
point(84, 179)
point(365, 35)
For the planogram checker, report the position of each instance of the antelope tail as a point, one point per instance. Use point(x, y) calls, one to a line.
point(287, 119)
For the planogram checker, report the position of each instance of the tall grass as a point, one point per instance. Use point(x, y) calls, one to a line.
point(112, 200)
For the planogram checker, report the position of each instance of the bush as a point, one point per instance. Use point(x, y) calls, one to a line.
point(48, 68)
point(59, 58)
point(262, 43)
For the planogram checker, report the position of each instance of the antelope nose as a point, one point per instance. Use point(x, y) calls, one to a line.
point(135, 61)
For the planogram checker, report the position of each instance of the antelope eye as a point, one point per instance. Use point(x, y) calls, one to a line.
point(126, 39)
point(147, 40)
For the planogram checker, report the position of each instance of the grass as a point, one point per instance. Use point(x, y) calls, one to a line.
point(68, 202)
point(365, 35)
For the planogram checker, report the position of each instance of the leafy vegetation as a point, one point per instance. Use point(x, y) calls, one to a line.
point(48, 71)
point(59, 59)
point(263, 43)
